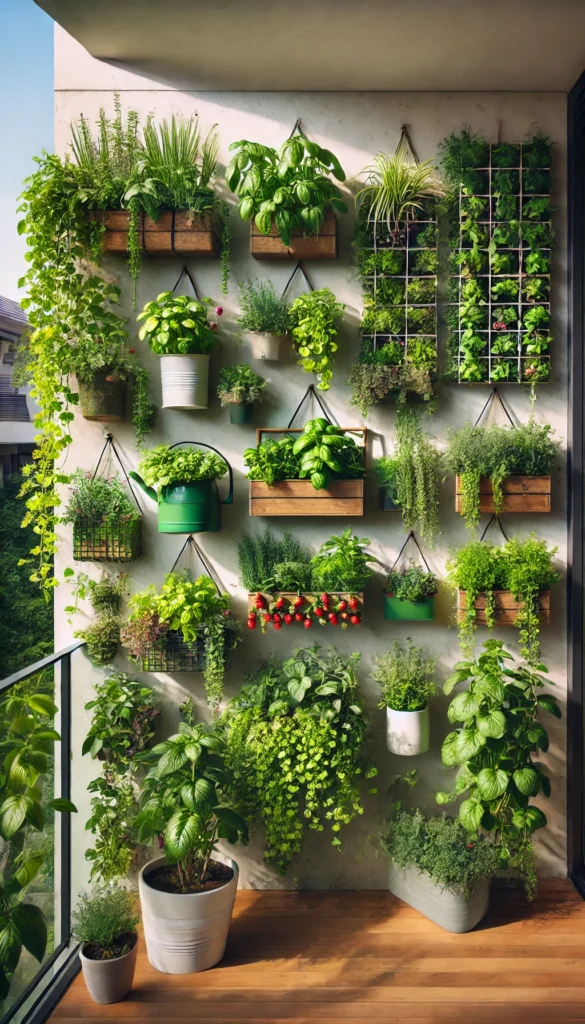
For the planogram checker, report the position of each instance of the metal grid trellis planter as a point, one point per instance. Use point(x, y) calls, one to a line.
point(119, 541)
point(494, 350)
point(174, 654)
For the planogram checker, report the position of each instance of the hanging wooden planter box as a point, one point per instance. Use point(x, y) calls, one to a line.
point(299, 497)
point(175, 233)
point(506, 608)
point(521, 494)
point(303, 247)
point(118, 541)
point(311, 599)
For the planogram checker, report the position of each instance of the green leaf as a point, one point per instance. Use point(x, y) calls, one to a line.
point(193, 751)
point(326, 688)
point(233, 822)
point(469, 741)
point(470, 814)
point(298, 687)
point(493, 724)
point(492, 783)
point(32, 927)
point(203, 794)
point(29, 869)
point(531, 819)
point(171, 761)
point(42, 704)
point(10, 946)
point(63, 806)
point(449, 750)
point(462, 707)
point(182, 833)
point(13, 812)
point(548, 701)
point(527, 780)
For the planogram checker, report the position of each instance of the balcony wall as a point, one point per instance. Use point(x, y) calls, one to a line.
point(354, 125)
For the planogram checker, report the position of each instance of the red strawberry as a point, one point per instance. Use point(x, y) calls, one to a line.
point(354, 604)
point(252, 623)
point(332, 618)
point(355, 620)
point(260, 601)
point(268, 617)
point(298, 601)
point(279, 603)
point(276, 618)
point(308, 623)
point(319, 611)
point(288, 618)
point(324, 598)
point(278, 625)
point(345, 616)
point(299, 616)
point(342, 606)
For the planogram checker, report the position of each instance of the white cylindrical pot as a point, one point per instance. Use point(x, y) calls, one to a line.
point(266, 346)
point(455, 912)
point(407, 732)
point(185, 381)
point(186, 933)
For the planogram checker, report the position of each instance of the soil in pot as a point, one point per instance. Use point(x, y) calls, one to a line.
point(122, 945)
point(166, 879)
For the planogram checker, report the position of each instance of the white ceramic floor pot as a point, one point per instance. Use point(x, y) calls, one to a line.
point(407, 732)
point(454, 912)
point(108, 981)
point(185, 381)
point(265, 346)
point(186, 933)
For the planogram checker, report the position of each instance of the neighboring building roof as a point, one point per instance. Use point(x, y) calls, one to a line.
point(13, 320)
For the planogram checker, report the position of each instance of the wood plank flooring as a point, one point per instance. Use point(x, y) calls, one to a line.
point(363, 957)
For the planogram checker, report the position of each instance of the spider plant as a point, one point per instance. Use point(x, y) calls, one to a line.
point(397, 188)
point(173, 150)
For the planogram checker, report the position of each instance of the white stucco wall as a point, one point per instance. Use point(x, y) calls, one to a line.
point(354, 126)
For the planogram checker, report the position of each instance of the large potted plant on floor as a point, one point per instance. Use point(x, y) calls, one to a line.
point(239, 388)
point(104, 921)
point(187, 895)
point(405, 677)
point(264, 319)
point(177, 329)
point(187, 497)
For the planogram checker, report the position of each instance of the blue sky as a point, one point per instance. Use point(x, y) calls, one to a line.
point(26, 119)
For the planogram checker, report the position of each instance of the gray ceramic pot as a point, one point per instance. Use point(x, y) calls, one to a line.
point(108, 981)
point(455, 913)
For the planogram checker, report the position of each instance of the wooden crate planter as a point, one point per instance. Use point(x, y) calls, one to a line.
point(506, 608)
point(311, 600)
point(299, 497)
point(119, 541)
point(175, 233)
point(303, 247)
point(521, 494)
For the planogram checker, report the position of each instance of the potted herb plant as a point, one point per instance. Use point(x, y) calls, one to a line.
point(409, 594)
point(501, 469)
point(313, 319)
point(104, 921)
point(264, 318)
point(289, 196)
point(177, 329)
point(504, 586)
point(415, 466)
point(318, 473)
point(185, 627)
point(405, 677)
point(239, 387)
point(296, 748)
point(187, 498)
point(102, 634)
point(497, 736)
point(187, 895)
point(106, 523)
point(439, 867)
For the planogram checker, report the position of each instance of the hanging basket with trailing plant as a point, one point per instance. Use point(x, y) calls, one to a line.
point(187, 497)
point(409, 593)
point(107, 525)
point(501, 468)
point(288, 196)
point(287, 587)
point(316, 471)
point(187, 626)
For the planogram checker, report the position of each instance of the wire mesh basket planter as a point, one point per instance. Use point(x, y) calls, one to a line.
point(172, 653)
point(116, 541)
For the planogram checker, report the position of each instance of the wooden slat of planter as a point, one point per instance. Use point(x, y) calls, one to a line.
point(312, 247)
point(193, 236)
point(521, 494)
point(299, 498)
point(506, 609)
point(311, 596)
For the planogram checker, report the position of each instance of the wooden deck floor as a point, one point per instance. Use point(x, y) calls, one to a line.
point(358, 957)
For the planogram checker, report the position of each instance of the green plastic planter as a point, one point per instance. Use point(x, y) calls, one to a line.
point(241, 413)
point(193, 507)
point(397, 610)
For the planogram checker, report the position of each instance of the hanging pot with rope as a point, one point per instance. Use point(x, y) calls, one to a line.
point(103, 398)
point(109, 538)
point(192, 506)
point(399, 608)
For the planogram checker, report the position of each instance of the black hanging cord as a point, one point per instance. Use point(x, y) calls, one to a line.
point(296, 128)
point(410, 537)
point(109, 443)
point(492, 397)
point(310, 391)
point(185, 272)
point(192, 543)
point(499, 522)
point(300, 267)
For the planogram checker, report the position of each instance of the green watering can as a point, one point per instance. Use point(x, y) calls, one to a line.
point(189, 507)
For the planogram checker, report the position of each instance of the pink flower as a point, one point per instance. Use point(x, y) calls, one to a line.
point(219, 310)
point(212, 325)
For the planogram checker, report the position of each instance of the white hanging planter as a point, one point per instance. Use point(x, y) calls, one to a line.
point(266, 346)
point(185, 381)
point(454, 912)
point(407, 732)
point(186, 932)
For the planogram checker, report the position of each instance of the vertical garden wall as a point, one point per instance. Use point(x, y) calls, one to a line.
point(353, 126)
